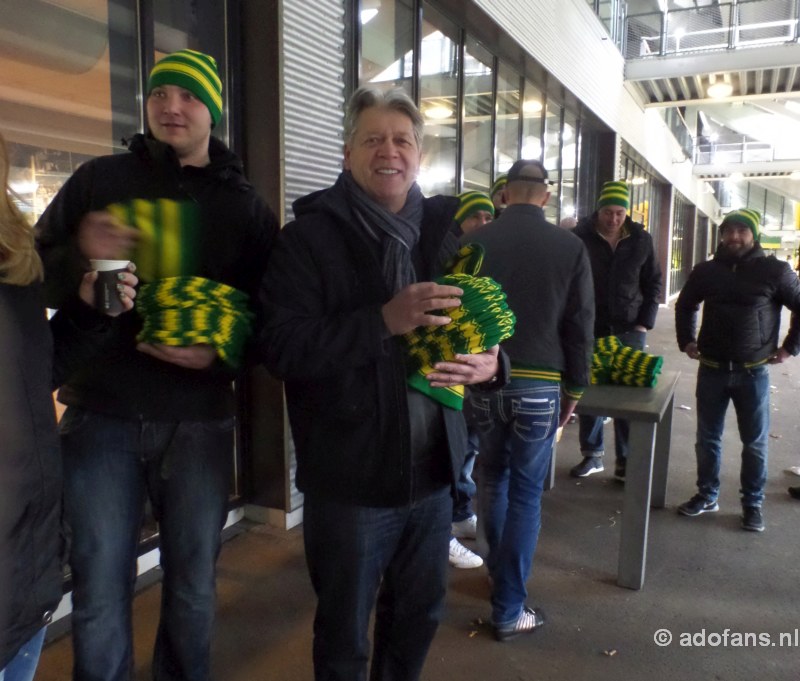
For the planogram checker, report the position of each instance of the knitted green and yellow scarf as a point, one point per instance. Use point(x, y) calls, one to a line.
point(181, 311)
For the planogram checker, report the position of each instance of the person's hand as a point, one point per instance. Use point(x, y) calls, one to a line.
point(780, 356)
point(465, 369)
point(567, 408)
point(692, 351)
point(411, 306)
point(199, 356)
point(126, 289)
point(102, 237)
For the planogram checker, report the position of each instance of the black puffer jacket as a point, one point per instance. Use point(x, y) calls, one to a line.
point(30, 460)
point(627, 279)
point(325, 337)
point(236, 231)
point(742, 300)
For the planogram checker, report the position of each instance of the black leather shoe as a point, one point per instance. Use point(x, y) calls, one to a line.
point(794, 492)
point(751, 519)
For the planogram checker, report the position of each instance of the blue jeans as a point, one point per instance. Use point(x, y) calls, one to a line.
point(749, 391)
point(355, 552)
point(22, 666)
point(111, 465)
point(517, 425)
point(590, 428)
point(465, 485)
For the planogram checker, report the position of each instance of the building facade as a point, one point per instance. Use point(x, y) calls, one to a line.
point(496, 80)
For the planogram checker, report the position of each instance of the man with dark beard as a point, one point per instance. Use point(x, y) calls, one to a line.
point(742, 292)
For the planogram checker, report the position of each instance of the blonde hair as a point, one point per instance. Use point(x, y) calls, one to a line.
point(19, 262)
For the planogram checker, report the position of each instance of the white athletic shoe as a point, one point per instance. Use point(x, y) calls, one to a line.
point(462, 557)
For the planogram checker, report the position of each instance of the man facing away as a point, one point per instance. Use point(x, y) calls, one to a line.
point(546, 275)
point(742, 292)
point(376, 459)
point(627, 285)
point(150, 419)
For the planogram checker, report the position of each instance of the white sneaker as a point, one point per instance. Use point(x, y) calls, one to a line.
point(462, 557)
point(466, 529)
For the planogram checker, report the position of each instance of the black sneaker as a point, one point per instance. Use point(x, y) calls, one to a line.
point(619, 471)
point(751, 519)
point(697, 505)
point(530, 620)
point(589, 465)
point(794, 492)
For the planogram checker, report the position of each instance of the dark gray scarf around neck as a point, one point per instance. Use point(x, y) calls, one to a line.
point(397, 233)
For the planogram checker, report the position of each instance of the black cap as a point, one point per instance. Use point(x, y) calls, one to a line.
point(528, 170)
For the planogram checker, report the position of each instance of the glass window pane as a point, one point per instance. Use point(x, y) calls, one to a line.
point(387, 43)
point(68, 85)
point(507, 125)
point(552, 140)
point(438, 102)
point(477, 116)
point(195, 25)
point(568, 166)
point(532, 107)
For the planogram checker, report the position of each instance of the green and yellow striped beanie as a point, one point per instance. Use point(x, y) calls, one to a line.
point(470, 203)
point(498, 186)
point(481, 321)
point(614, 194)
point(195, 72)
point(744, 216)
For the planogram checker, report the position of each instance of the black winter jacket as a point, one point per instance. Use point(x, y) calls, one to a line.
point(547, 279)
point(742, 299)
point(627, 280)
point(345, 378)
point(237, 230)
point(30, 460)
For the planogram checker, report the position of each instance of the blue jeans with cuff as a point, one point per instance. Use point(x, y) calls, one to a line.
point(517, 426)
point(465, 487)
point(748, 389)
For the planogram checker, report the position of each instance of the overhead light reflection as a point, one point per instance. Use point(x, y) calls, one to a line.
point(531, 106)
point(719, 90)
point(368, 15)
point(438, 112)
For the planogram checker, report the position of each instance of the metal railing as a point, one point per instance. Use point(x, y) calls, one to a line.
point(746, 151)
point(732, 25)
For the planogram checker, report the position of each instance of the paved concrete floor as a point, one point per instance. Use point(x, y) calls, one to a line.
point(705, 577)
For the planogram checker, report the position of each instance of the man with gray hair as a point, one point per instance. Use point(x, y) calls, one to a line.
point(376, 459)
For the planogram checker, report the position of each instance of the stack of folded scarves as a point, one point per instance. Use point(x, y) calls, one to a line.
point(182, 311)
point(481, 321)
point(619, 364)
